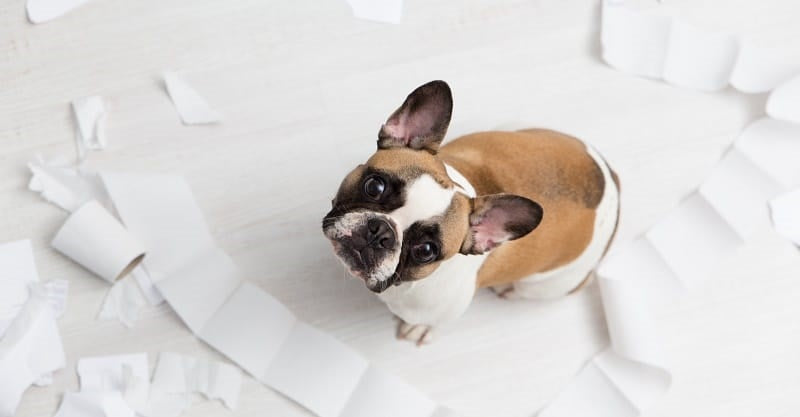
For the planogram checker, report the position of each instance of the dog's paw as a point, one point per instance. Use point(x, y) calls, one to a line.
point(420, 334)
point(505, 292)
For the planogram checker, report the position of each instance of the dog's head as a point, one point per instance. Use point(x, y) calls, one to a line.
point(397, 216)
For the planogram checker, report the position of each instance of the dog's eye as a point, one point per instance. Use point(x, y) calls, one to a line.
point(374, 187)
point(424, 252)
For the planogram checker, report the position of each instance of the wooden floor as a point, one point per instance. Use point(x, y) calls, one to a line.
point(304, 87)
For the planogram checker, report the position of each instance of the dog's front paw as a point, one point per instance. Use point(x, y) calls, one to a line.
point(420, 334)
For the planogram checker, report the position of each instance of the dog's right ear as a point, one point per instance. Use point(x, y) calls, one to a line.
point(498, 218)
point(421, 122)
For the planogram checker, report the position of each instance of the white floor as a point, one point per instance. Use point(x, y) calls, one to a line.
point(304, 87)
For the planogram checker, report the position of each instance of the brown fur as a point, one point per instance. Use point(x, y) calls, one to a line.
point(548, 167)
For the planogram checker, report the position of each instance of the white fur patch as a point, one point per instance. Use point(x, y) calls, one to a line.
point(425, 198)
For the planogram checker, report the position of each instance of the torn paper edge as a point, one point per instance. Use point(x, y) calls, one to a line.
point(191, 106)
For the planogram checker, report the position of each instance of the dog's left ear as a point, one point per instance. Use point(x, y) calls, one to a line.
point(421, 122)
point(498, 218)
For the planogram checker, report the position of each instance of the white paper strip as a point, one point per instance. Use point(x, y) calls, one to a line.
point(17, 272)
point(786, 215)
point(634, 42)
point(699, 59)
point(93, 238)
point(123, 302)
point(90, 115)
point(774, 146)
point(40, 11)
point(645, 44)
point(30, 349)
point(387, 11)
point(192, 108)
point(692, 239)
point(183, 375)
point(759, 69)
point(784, 101)
point(235, 317)
point(737, 189)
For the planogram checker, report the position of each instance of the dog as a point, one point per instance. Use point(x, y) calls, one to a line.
point(528, 214)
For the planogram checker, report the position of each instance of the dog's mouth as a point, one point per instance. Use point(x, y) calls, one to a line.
point(356, 265)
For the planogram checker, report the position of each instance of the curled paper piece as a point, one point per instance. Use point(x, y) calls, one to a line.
point(66, 187)
point(94, 404)
point(786, 215)
point(94, 239)
point(123, 301)
point(192, 107)
point(178, 376)
point(243, 322)
point(90, 116)
point(784, 102)
point(40, 11)
point(386, 11)
point(30, 350)
point(649, 45)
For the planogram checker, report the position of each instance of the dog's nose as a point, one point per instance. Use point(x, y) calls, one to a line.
point(380, 234)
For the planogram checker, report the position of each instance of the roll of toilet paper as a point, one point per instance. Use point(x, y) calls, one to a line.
point(96, 240)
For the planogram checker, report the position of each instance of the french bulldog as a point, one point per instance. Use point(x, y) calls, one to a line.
point(528, 214)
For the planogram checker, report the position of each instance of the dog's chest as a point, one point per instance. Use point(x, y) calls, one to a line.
point(438, 298)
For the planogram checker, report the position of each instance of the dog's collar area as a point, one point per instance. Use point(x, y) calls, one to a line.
point(462, 184)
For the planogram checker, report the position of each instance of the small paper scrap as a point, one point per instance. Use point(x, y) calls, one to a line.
point(90, 115)
point(123, 302)
point(63, 185)
point(120, 386)
point(786, 215)
point(386, 11)
point(177, 376)
point(192, 107)
point(40, 11)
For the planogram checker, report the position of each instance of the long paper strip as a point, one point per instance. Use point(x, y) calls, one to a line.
point(650, 45)
point(786, 215)
point(239, 319)
point(688, 242)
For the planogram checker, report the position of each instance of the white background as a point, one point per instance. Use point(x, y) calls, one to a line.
point(304, 87)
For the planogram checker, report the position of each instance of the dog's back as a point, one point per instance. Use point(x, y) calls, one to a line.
point(573, 184)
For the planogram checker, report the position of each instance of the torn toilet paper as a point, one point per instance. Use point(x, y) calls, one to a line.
point(40, 11)
point(30, 345)
point(786, 215)
point(192, 108)
point(90, 116)
point(683, 248)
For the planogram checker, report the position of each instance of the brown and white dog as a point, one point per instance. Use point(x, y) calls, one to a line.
point(527, 213)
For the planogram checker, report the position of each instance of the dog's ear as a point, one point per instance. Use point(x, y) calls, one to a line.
point(498, 218)
point(421, 122)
